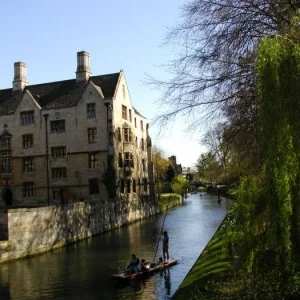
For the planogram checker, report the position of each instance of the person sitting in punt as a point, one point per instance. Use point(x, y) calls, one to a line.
point(134, 265)
point(144, 265)
point(160, 261)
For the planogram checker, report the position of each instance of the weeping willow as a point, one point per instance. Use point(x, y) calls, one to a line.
point(278, 79)
point(266, 216)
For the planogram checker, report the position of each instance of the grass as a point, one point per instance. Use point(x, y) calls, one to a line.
point(165, 198)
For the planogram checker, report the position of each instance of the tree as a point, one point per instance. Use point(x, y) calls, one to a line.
point(179, 185)
point(278, 82)
point(214, 76)
point(161, 165)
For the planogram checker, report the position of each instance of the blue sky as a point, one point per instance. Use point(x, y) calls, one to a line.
point(118, 34)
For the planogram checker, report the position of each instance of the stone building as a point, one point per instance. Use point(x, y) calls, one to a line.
point(72, 140)
point(177, 167)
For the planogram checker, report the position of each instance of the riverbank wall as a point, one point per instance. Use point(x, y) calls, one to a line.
point(31, 231)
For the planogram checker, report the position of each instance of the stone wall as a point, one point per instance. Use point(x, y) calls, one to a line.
point(35, 230)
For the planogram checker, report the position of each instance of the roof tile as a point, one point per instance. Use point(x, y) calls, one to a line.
point(58, 94)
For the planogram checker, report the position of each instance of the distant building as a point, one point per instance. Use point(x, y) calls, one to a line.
point(98, 144)
point(177, 167)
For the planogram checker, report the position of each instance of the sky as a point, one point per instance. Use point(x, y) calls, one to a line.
point(118, 34)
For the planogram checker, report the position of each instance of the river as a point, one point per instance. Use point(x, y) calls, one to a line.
point(82, 270)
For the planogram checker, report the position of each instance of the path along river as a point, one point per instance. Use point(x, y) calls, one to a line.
point(82, 270)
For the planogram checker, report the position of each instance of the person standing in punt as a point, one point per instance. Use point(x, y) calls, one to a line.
point(165, 246)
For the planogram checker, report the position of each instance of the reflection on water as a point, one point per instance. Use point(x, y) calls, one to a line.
point(167, 278)
point(82, 270)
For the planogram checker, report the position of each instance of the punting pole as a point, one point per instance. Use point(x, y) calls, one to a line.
point(161, 228)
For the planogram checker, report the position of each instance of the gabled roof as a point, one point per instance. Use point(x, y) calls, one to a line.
point(136, 112)
point(58, 94)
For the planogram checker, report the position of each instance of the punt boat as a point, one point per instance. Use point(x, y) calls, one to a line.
point(151, 269)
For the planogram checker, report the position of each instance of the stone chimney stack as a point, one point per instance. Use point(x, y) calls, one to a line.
point(19, 76)
point(83, 71)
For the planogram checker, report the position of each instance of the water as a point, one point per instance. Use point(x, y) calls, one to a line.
point(82, 270)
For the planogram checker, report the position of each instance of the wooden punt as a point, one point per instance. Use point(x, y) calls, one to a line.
point(153, 268)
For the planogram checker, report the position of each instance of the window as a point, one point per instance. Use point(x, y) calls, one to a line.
point(58, 152)
point(119, 134)
point(27, 117)
point(91, 110)
point(127, 135)
point(94, 186)
point(134, 185)
point(130, 116)
point(92, 135)
point(139, 184)
point(145, 184)
point(136, 141)
point(5, 152)
point(5, 145)
point(27, 141)
point(143, 165)
point(122, 188)
point(93, 160)
point(120, 160)
point(128, 160)
point(128, 186)
point(58, 126)
point(59, 173)
point(6, 165)
point(28, 164)
point(135, 122)
point(142, 144)
point(142, 126)
point(123, 90)
point(124, 112)
point(28, 189)
point(55, 195)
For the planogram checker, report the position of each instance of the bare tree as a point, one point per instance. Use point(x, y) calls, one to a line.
point(217, 41)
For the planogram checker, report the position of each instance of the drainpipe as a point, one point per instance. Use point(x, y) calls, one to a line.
point(47, 157)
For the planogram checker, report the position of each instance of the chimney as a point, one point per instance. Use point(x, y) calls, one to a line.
point(19, 77)
point(83, 71)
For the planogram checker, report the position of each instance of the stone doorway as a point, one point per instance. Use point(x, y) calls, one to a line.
point(7, 195)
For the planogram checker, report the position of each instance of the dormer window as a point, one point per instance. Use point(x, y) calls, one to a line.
point(91, 110)
point(27, 117)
